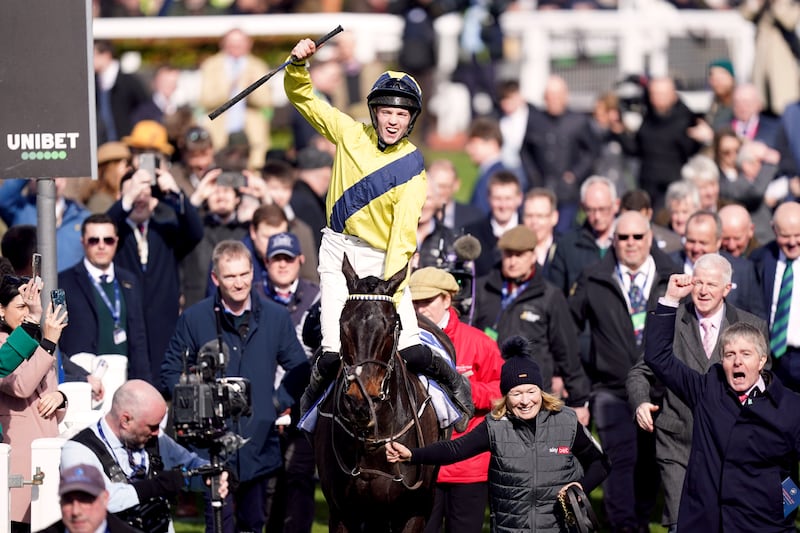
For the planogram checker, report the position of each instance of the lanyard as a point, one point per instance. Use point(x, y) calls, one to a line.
point(508, 296)
point(115, 310)
point(141, 467)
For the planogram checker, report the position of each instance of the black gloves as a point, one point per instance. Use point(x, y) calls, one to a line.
point(167, 484)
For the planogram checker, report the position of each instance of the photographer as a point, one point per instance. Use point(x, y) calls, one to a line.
point(217, 197)
point(158, 227)
point(129, 439)
point(259, 336)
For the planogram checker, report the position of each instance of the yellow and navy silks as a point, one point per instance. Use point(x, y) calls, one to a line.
point(374, 195)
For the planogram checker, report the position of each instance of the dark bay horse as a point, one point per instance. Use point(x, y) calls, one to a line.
point(374, 400)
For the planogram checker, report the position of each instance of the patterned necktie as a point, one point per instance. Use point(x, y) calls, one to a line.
point(777, 334)
point(103, 278)
point(636, 295)
point(138, 470)
point(708, 337)
point(638, 304)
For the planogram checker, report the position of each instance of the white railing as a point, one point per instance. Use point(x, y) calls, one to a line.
point(637, 37)
point(374, 33)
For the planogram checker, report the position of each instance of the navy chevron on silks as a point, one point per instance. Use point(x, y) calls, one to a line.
point(777, 333)
point(373, 186)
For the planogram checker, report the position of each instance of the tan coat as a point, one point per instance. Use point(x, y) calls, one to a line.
point(775, 72)
point(19, 394)
point(216, 89)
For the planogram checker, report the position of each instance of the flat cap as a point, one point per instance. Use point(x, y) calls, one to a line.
point(429, 282)
point(518, 239)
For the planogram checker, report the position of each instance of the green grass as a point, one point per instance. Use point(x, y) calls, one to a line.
point(196, 525)
point(466, 170)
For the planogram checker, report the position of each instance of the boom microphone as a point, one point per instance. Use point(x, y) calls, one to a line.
point(467, 248)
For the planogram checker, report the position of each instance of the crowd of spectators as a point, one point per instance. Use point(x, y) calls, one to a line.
point(581, 220)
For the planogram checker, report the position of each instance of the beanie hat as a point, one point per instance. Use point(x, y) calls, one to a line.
point(519, 368)
point(723, 63)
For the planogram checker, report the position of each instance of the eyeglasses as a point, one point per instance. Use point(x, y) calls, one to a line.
point(196, 134)
point(634, 236)
point(597, 210)
point(108, 241)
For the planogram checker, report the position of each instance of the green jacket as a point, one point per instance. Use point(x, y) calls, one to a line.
point(18, 347)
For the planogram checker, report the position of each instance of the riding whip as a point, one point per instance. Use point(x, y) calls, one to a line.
point(263, 79)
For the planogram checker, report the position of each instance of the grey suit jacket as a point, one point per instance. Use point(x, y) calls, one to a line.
point(673, 421)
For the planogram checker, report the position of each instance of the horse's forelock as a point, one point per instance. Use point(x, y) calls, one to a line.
point(370, 285)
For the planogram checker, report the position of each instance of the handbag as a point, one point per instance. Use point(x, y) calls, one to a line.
point(577, 509)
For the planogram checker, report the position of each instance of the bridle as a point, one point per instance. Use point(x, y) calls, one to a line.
point(372, 440)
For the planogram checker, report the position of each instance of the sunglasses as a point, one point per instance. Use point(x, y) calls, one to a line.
point(197, 134)
point(15, 281)
point(108, 241)
point(634, 236)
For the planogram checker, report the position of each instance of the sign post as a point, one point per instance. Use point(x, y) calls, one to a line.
point(47, 103)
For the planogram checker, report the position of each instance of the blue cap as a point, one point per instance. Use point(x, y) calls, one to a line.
point(283, 243)
point(81, 478)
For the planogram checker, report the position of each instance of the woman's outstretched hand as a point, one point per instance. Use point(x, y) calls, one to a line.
point(397, 453)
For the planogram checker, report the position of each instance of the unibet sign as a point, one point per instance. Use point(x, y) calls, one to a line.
point(42, 146)
point(48, 126)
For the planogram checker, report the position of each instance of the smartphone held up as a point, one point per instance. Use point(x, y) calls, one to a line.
point(149, 161)
point(59, 297)
point(36, 266)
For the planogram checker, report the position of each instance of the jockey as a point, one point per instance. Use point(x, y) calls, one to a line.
point(373, 204)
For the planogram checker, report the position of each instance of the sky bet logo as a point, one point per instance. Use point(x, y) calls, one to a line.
point(560, 450)
point(39, 146)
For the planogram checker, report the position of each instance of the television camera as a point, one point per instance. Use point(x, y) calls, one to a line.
point(456, 256)
point(202, 402)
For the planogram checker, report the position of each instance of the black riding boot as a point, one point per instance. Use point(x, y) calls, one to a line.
point(420, 360)
point(322, 373)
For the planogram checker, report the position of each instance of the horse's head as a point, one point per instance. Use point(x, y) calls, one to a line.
point(369, 329)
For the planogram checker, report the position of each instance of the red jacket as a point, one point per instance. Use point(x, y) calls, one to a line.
point(477, 353)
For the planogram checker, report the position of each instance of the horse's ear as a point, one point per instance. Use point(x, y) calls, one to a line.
point(349, 272)
point(393, 283)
